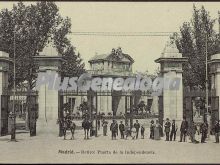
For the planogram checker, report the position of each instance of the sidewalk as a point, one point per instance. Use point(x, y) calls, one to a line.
point(53, 149)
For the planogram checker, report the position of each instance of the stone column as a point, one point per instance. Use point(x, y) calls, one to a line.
point(214, 63)
point(49, 62)
point(121, 106)
point(4, 69)
point(171, 69)
point(106, 104)
point(78, 101)
point(155, 106)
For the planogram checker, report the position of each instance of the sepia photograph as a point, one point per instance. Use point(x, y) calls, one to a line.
point(109, 82)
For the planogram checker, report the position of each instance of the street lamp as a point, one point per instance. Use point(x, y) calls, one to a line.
point(206, 114)
point(207, 94)
point(12, 114)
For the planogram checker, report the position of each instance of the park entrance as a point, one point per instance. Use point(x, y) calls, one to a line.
point(25, 108)
point(83, 102)
point(195, 108)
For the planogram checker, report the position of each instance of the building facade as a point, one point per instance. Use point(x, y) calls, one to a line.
point(111, 65)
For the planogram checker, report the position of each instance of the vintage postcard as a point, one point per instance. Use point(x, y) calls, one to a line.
point(109, 82)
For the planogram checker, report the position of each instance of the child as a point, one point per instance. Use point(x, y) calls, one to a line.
point(142, 131)
point(133, 133)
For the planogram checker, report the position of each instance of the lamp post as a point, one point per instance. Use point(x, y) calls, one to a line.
point(206, 115)
point(13, 115)
point(206, 79)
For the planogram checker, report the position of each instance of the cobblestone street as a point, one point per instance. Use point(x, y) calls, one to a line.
point(52, 149)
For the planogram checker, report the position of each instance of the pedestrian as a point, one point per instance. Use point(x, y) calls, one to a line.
point(174, 129)
point(152, 126)
point(133, 133)
point(217, 131)
point(157, 129)
point(127, 131)
point(167, 129)
point(203, 131)
point(142, 131)
point(137, 126)
point(192, 131)
point(183, 130)
point(114, 129)
point(98, 124)
point(122, 129)
point(104, 125)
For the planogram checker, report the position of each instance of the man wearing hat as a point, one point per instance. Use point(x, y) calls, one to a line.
point(167, 129)
point(114, 129)
point(152, 126)
point(174, 128)
point(183, 130)
point(137, 126)
point(122, 129)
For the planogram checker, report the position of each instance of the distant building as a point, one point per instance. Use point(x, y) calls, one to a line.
point(114, 64)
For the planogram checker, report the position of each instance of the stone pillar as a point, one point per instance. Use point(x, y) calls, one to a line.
point(214, 63)
point(4, 69)
point(106, 104)
point(78, 101)
point(171, 68)
point(155, 106)
point(121, 106)
point(49, 62)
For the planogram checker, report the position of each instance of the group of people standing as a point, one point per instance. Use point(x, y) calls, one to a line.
point(189, 129)
point(124, 129)
point(156, 130)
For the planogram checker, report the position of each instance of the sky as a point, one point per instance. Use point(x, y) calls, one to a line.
point(127, 17)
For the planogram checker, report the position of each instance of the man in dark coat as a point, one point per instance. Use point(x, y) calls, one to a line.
point(174, 128)
point(114, 129)
point(122, 129)
point(204, 131)
point(137, 126)
point(142, 131)
point(217, 131)
point(167, 126)
point(183, 130)
point(152, 126)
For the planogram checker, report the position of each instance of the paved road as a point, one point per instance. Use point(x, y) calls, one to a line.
point(48, 148)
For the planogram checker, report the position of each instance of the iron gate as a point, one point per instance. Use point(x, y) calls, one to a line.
point(65, 105)
point(188, 105)
point(26, 110)
point(131, 99)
